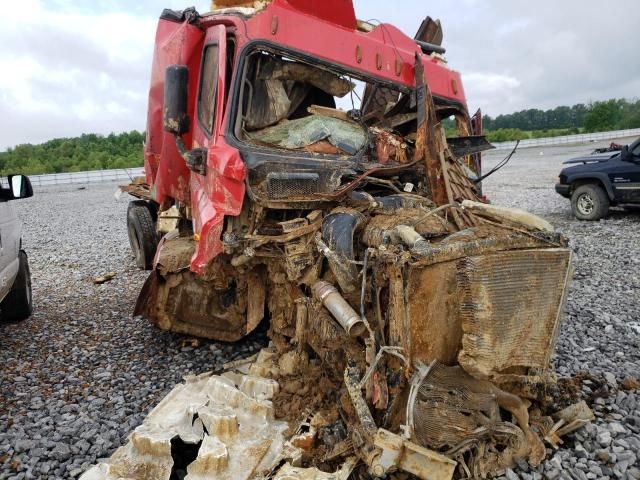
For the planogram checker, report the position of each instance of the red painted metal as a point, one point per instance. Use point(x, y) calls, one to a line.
point(338, 44)
point(221, 191)
point(319, 28)
point(166, 172)
point(340, 12)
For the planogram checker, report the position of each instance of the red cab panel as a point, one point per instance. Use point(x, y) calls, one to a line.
point(177, 43)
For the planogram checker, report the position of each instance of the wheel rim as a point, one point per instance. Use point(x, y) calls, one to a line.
point(585, 204)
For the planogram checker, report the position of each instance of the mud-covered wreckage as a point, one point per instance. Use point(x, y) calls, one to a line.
point(411, 323)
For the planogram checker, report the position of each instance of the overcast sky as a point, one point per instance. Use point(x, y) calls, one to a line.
point(70, 67)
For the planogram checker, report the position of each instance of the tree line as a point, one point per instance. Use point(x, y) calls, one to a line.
point(614, 114)
point(87, 152)
point(94, 152)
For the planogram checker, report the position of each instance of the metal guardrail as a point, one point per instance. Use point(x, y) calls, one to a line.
point(565, 139)
point(93, 176)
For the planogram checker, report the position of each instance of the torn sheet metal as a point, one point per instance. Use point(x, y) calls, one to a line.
point(508, 215)
point(397, 453)
point(461, 414)
point(137, 188)
point(469, 145)
point(222, 304)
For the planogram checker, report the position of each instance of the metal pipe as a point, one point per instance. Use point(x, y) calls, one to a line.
point(429, 48)
point(346, 316)
point(411, 238)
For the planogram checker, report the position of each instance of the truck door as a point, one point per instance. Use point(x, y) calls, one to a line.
point(634, 172)
point(625, 176)
point(219, 191)
point(4, 225)
point(10, 232)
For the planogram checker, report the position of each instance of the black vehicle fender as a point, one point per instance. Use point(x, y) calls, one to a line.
point(593, 177)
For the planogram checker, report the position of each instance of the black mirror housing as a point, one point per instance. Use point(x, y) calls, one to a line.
point(176, 86)
point(20, 186)
point(625, 154)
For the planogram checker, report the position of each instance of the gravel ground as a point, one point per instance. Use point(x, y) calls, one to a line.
point(79, 375)
point(601, 330)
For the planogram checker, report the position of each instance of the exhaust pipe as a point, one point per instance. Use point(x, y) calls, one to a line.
point(339, 308)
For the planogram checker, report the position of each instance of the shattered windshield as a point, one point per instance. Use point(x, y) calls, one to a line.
point(292, 105)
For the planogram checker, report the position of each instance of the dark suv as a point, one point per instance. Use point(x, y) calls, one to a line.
point(600, 180)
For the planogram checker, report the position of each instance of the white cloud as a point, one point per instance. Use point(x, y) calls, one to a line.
point(71, 67)
point(73, 72)
point(483, 88)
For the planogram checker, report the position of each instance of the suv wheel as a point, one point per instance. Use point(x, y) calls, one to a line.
point(18, 303)
point(589, 202)
point(141, 227)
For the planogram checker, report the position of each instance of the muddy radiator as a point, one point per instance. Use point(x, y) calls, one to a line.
point(496, 315)
point(509, 309)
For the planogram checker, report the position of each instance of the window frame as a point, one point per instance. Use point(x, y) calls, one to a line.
point(232, 130)
point(214, 110)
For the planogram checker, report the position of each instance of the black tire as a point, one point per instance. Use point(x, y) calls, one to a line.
point(141, 227)
point(589, 202)
point(18, 304)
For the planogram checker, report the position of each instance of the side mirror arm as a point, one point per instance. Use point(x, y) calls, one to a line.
point(176, 116)
point(195, 159)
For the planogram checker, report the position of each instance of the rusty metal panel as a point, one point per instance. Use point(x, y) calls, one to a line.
point(397, 452)
point(435, 329)
point(223, 305)
point(397, 310)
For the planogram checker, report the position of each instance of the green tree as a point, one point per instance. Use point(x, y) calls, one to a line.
point(603, 116)
point(86, 152)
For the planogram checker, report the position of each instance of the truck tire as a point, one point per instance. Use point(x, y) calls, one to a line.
point(141, 227)
point(589, 202)
point(18, 304)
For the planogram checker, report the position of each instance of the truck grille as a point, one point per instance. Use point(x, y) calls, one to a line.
point(282, 185)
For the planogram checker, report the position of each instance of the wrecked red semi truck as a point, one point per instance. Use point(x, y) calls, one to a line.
point(411, 324)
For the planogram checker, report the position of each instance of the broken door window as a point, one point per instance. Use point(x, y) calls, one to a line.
point(208, 87)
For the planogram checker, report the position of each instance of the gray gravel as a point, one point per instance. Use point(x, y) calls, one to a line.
point(79, 375)
point(601, 331)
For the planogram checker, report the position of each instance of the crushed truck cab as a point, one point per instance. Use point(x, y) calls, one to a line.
point(298, 172)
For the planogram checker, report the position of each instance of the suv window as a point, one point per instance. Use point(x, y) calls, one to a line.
point(636, 150)
point(208, 87)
